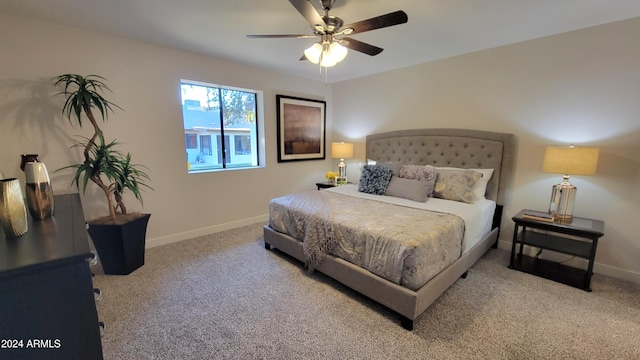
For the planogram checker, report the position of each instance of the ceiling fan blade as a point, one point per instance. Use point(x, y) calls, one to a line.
point(390, 19)
point(309, 12)
point(360, 46)
point(282, 36)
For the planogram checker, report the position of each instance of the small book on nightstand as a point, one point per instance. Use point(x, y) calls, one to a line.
point(538, 215)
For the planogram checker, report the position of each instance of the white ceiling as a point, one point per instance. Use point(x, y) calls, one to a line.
point(436, 28)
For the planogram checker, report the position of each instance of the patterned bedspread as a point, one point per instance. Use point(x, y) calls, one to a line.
point(404, 245)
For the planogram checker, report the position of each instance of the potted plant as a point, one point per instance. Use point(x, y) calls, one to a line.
point(119, 237)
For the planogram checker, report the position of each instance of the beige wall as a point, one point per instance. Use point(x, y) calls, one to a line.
point(581, 87)
point(145, 83)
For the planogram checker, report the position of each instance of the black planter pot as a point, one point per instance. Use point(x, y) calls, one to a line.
point(120, 247)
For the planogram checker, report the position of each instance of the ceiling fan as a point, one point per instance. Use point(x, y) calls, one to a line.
point(331, 49)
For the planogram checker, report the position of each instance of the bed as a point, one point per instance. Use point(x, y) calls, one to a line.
point(442, 148)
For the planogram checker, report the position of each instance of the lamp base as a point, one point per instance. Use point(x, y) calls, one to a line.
point(563, 196)
point(342, 169)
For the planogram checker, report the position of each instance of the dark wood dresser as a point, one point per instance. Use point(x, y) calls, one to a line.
point(47, 304)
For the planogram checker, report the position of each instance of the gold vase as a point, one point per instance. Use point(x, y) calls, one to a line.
point(13, 213)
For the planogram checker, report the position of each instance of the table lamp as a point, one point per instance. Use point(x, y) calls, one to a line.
point(342, 150)
point(567, 160)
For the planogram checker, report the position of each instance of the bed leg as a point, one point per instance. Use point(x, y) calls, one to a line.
point(267, 245)
point(497, 218)
point(464, 276)
point(406, 323)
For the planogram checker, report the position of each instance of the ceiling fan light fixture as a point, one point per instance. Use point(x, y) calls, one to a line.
point(326, 54)
point(333, 54)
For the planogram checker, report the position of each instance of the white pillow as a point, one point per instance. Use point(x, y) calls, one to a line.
point(480, 188)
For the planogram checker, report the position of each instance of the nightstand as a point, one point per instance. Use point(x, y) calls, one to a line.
point(325, 185)
point(578, 238)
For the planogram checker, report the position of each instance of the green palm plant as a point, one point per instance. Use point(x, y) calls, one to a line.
point(110, 169)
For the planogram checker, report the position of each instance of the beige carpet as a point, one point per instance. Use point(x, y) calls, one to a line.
point(224, 296)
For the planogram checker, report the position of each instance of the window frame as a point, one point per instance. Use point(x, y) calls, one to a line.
point(257, 140)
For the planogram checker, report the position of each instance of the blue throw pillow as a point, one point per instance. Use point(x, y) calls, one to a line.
point(375, 179)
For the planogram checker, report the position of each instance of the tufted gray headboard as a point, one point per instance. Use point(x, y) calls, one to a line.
point(450, 147)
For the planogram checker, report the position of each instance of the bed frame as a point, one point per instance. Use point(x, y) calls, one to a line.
point(438, 147)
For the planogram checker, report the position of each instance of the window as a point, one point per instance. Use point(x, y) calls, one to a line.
point(243, 144)
point(205, 144)
point(221, 127)
point(191, 141)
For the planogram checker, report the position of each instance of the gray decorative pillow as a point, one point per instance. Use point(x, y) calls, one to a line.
point(374, 179)
point(425, 173)
point(415, 190)
point(480, 188)
point(456, 185)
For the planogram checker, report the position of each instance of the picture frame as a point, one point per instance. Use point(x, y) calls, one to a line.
point(301, 128)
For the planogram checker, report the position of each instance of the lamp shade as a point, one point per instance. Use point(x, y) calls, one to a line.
point(313, 53)
point(570, 160)
point(333, 55)
point(341, 150)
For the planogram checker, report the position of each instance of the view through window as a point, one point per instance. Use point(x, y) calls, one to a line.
point(220, 126)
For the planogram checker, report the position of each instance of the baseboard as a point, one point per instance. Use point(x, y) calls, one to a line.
point(598, 268)
point(204, 231)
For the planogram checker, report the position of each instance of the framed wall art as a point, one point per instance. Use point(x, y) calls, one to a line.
point(301, 128)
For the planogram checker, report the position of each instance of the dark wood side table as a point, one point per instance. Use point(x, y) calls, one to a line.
point(47, 304)
point(325, 185)
point(578, 238)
